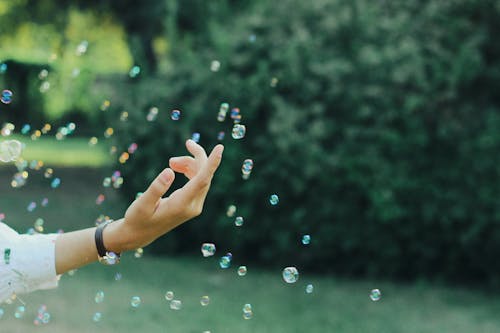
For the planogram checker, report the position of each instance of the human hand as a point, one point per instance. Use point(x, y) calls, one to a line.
point(150, 216)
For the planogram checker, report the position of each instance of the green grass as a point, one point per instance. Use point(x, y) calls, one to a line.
point(72, 152)
point(336, 305)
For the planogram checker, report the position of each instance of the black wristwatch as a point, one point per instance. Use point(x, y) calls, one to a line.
point(105, 257)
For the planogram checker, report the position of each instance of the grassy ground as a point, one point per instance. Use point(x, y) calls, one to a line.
point(336, 305)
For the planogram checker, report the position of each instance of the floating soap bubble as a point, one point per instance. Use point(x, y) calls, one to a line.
point(49, 172)
point(195, 137)
point(109, 132)
point(100, 199)
point(43, 74)
point(55, 183)
point(175, 115)
point(208, 249)
point(46, 128)
point(169, 295)
point(1, 313)
point(99, 296)
point(132, 148)
point(45, 202)
point(238, 221)
point(274, 82)
point(375, 295)
point(124, 116)
point(93, 141)
point(25, 129)
point(7, 129)
point(105, 105)
point(139, 253)
point(38, 225)
point(242, 270)
point(176, 304)
point(42, 317)
point(97, 317)
point(106, 182)
point(221, 135)
point(225, 262)
point(215, 65)
point(44, 87)
point(231, 210)
point(19, 179)
point(236, 115)
point(221, 116)
point(118, 276)
point(134, 72)
point(6, 97)
point(82, 47)
point(20, 311)
point(306, 239)
point(309, 288)
point(75, 72)
point(10, 150)
point(204, 300)
point(247, 311)
point(137, 195)
point(123, 157)
point(31, 207)
point(246, 168)
point(152, 114)
point(274, 199)
point(290, 274)
point(238, 131)
point(3, 68)
point(135, 301)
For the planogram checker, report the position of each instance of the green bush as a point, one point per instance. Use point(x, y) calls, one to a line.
point(376, 123)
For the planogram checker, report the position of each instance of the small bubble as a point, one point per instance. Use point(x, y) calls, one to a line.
point(225, 262)
point(309, 288)
point(100, 199)
point(97, 317)
point(31, 207)
point(274, 82)
point(152, 114)
point(93, 141)
point(221, 135)
point(238, 221)
point(375, 295)
point(239, 131)
point(118, 276)
point(124, 116)
point(3, 68)
point(176, 304)
point(175, 115)
point(55, 183)
point(44, 202)
point(6, 97)
point(215, 65)
point(48, 173)
point(99, 296)
point(132, 148)
point(169, 295)
point(109, 132)
point(106, 182)
point(25, 129)
point(20, 311)
point(204, 300)
point(195, 137)
point(242, 270)
point(82, 47)
point(290, 274)
point(208, 249)
point(306, 239)
point(221, 116)
point(247, 311)
point(135, 301)
point(274, 199)
point(134, 72)
point(38, 225)
point(139, 253)
point(10, 150)
point(231, 210)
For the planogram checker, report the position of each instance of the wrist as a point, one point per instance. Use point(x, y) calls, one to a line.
point(115, 238)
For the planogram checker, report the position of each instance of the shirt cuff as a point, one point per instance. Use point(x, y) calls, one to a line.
point(33, 263)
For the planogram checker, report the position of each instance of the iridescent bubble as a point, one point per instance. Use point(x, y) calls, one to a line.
point(248, 315)
point(44, 202)
point(132, 148)
point(123, 157)
point(152, 114)
point(48, 173)
point(306, 239)
point(10, 150)
point(139, 253)
point(109, 132)
point(55, 183)
point(38, 225)
point(82, 47)
point(215, 65)
point(137, 195)
point(238, 131)
point(246, 168)
point(242, 270)
point(6, 97)
point(225, 262)
point(1, 313)
point(231, 210)
point(290, 274)
point(31, 207)
point(135, 301)
point(176, 304)
point(118, 276)
point(221, 135)
point(97, 317)
point(236, 115)
point(309, 288)
point(44, 87)
point(7, 129)
point(169, 295)
point(99, 296)
point(195, 137)
point(100, 199)
point(252, 38)
point(93, 141)
point(25, 129)
point(204, 300)
point(375, 295)
point(43, 74)
point(238, 221)
point(124, 116)
point(208, 249)
point(3, 68)
point(19, 179)
point(175, 115)
point(221, 116)
point(274, 199)
point(274, 82)
point(134, 72)
point(106, 182)
point(20, 311)
point(105, 105)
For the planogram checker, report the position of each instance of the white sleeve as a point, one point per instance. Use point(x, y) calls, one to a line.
point(27, 262)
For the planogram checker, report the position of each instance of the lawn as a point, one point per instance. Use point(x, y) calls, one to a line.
point(335, 305)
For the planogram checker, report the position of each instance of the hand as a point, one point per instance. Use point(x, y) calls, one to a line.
point(150, 216)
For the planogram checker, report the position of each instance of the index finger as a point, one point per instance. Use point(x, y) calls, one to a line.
point(195, 149)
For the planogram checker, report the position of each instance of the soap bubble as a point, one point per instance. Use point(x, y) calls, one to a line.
point(6, 97)
point(152, 114)
point(242, 270)
point(247, 311)
point(25, 129)
point(225, 261)
point(20, 311)
point(97, 317)
point(306, 239)
point(31, 207)
point(204, 300)
point(10, 150)
point(38, 225)
point(309, 288)
point(176, 304)
point(238, 221)
point(195, 137)
point(55, 183)
point(221, 135)
point(82, 47)
point(231, 210)
point(274, 199)
point(135, 301)
point(238, 131)
point(139, 253)
point(221, 116)
point(208, 249)
point(169, 295)
point(175, 115)
point(375, 295)
point(290, 274)
point(134, 72)
point(215, 65)
point(99, 296)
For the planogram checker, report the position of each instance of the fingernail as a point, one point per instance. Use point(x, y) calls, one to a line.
point(165, 176)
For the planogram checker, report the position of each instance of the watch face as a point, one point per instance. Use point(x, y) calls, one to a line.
point(110, 258)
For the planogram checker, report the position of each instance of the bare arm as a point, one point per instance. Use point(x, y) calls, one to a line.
point(149, 216)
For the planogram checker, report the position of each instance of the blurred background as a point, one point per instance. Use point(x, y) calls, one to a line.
point(362, 147)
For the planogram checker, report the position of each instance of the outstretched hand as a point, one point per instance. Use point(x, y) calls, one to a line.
point(151, 215)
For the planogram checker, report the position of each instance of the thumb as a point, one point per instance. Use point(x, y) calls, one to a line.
point(149, 199)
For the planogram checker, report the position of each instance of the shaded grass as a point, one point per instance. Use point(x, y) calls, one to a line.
point(72, 152)
point(336, 305)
